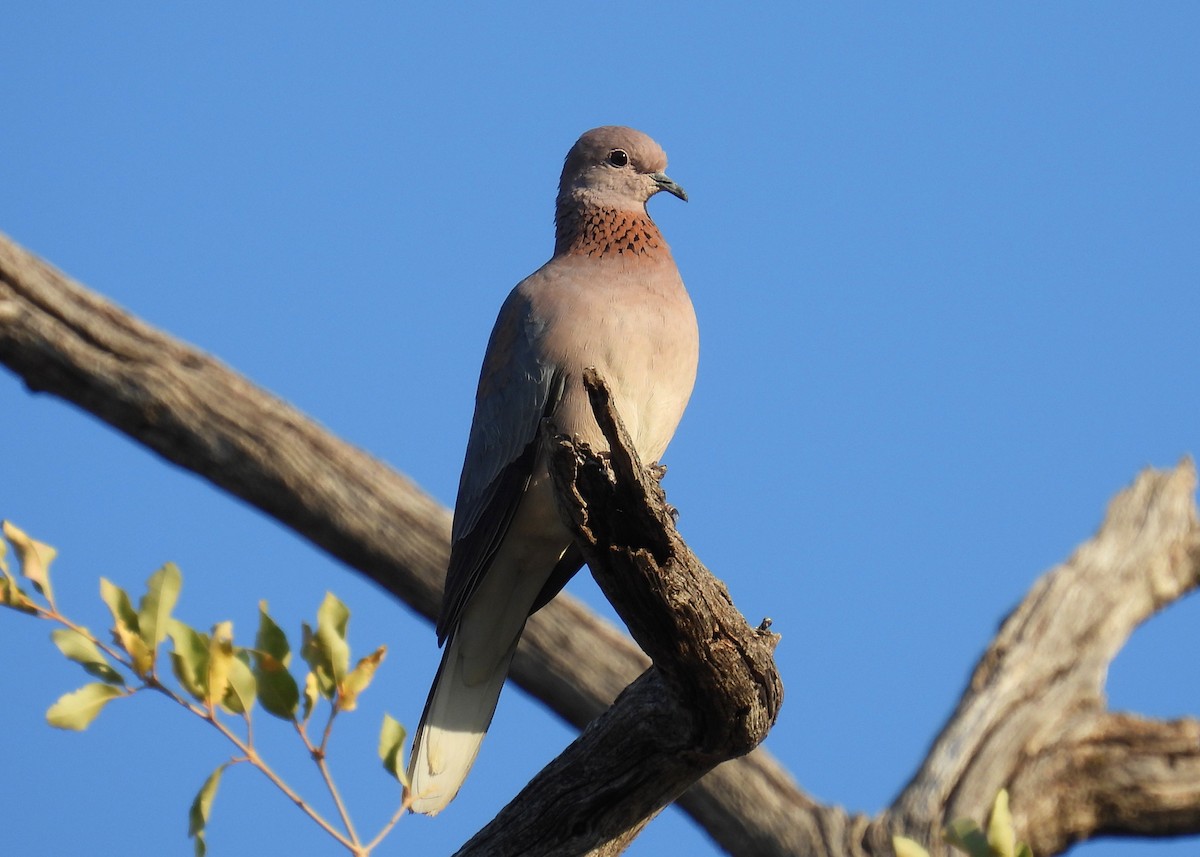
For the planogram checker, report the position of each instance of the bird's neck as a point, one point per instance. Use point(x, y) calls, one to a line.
point(601, 232)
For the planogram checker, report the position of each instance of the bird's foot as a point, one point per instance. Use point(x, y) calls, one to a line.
point(657, 471)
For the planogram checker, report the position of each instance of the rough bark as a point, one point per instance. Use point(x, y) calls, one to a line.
point(1033, 717)
point(197, 413)
point(712, 693)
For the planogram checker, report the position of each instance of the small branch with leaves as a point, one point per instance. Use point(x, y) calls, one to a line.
point(218, 681)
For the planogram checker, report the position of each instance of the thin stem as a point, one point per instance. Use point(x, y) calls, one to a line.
point(257, 761)
point(318, 756)
point(387, 828)
point(333, 712)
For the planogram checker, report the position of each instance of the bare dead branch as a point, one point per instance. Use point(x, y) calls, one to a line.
point(719, 667)
point(1033, 717)
point(1121, 775)
point(197, 413)
point(712, 694)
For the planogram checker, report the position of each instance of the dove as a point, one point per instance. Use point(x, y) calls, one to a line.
point(611, 298)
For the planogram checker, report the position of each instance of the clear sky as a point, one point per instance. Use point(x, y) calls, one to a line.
point(945, 263)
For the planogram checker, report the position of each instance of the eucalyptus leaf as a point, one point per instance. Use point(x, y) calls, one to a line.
point(35, 558)
point(332, 619)
point(242, 688)
point(312, 693)
point(220, 662)
point(189, 659)
point(316, 655)
point(77, 710)
point(277, 690)
point(270, 638)
point(391, 748)
point(201, 808)
point(82, 649)
point(154, 611)
point(125, 627)
point(359, 679)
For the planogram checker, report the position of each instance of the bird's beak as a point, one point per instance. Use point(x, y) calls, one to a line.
point(665, 183)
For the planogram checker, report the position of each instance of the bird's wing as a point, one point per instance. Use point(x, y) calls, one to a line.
point(517, 389)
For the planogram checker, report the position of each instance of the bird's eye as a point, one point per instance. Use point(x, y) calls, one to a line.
point(618, 157)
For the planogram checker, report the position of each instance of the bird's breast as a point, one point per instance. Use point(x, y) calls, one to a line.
point(635, 324)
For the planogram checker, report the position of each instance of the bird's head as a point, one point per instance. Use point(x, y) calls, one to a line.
point(615, 167)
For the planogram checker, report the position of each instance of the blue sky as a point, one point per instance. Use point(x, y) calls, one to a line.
point(944, 260)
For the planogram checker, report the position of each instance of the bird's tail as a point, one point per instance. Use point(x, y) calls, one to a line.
point(456, 717)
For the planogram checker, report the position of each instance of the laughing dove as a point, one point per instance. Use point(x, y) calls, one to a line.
point(611, 297)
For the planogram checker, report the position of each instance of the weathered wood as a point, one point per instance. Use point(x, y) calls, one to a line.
point(712, 694)
point(1033, 718)
point(197, 413)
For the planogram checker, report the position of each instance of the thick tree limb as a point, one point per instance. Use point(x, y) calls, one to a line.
point(197, 413)
point(1033, 717)
point(712, 694)
point(718, 667)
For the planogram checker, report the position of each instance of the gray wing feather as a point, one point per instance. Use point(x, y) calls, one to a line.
point(516, 391)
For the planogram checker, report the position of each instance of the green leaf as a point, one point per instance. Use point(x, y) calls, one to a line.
point(118, 603)
point(277, 690)
point(220, 662)
point(35, 558)
point(78, 709)
point(11, 595)
point(125, 627)
point(81, 649)
point(965, 835)
point(201, 808)
point(312, 693)
point(242, 688)
point(1000, 835)
point(154, 611)
point(359, 679)
point(905, 847)
point(270, 639)
point(326, 650)
point(189, 660)
point(391, 748)
point(332, 619)
point(1024, 850)
point(317, 657)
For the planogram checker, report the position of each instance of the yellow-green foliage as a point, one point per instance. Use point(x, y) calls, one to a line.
point(216, 679)
point(1000, 840)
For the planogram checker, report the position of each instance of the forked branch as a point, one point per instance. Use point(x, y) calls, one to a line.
point(1033, 717)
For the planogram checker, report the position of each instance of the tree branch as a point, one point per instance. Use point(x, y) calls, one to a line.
point(718, 667)
point(1124, 776)
point(1033, 716)
point(712, 694)
point(197, 413)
